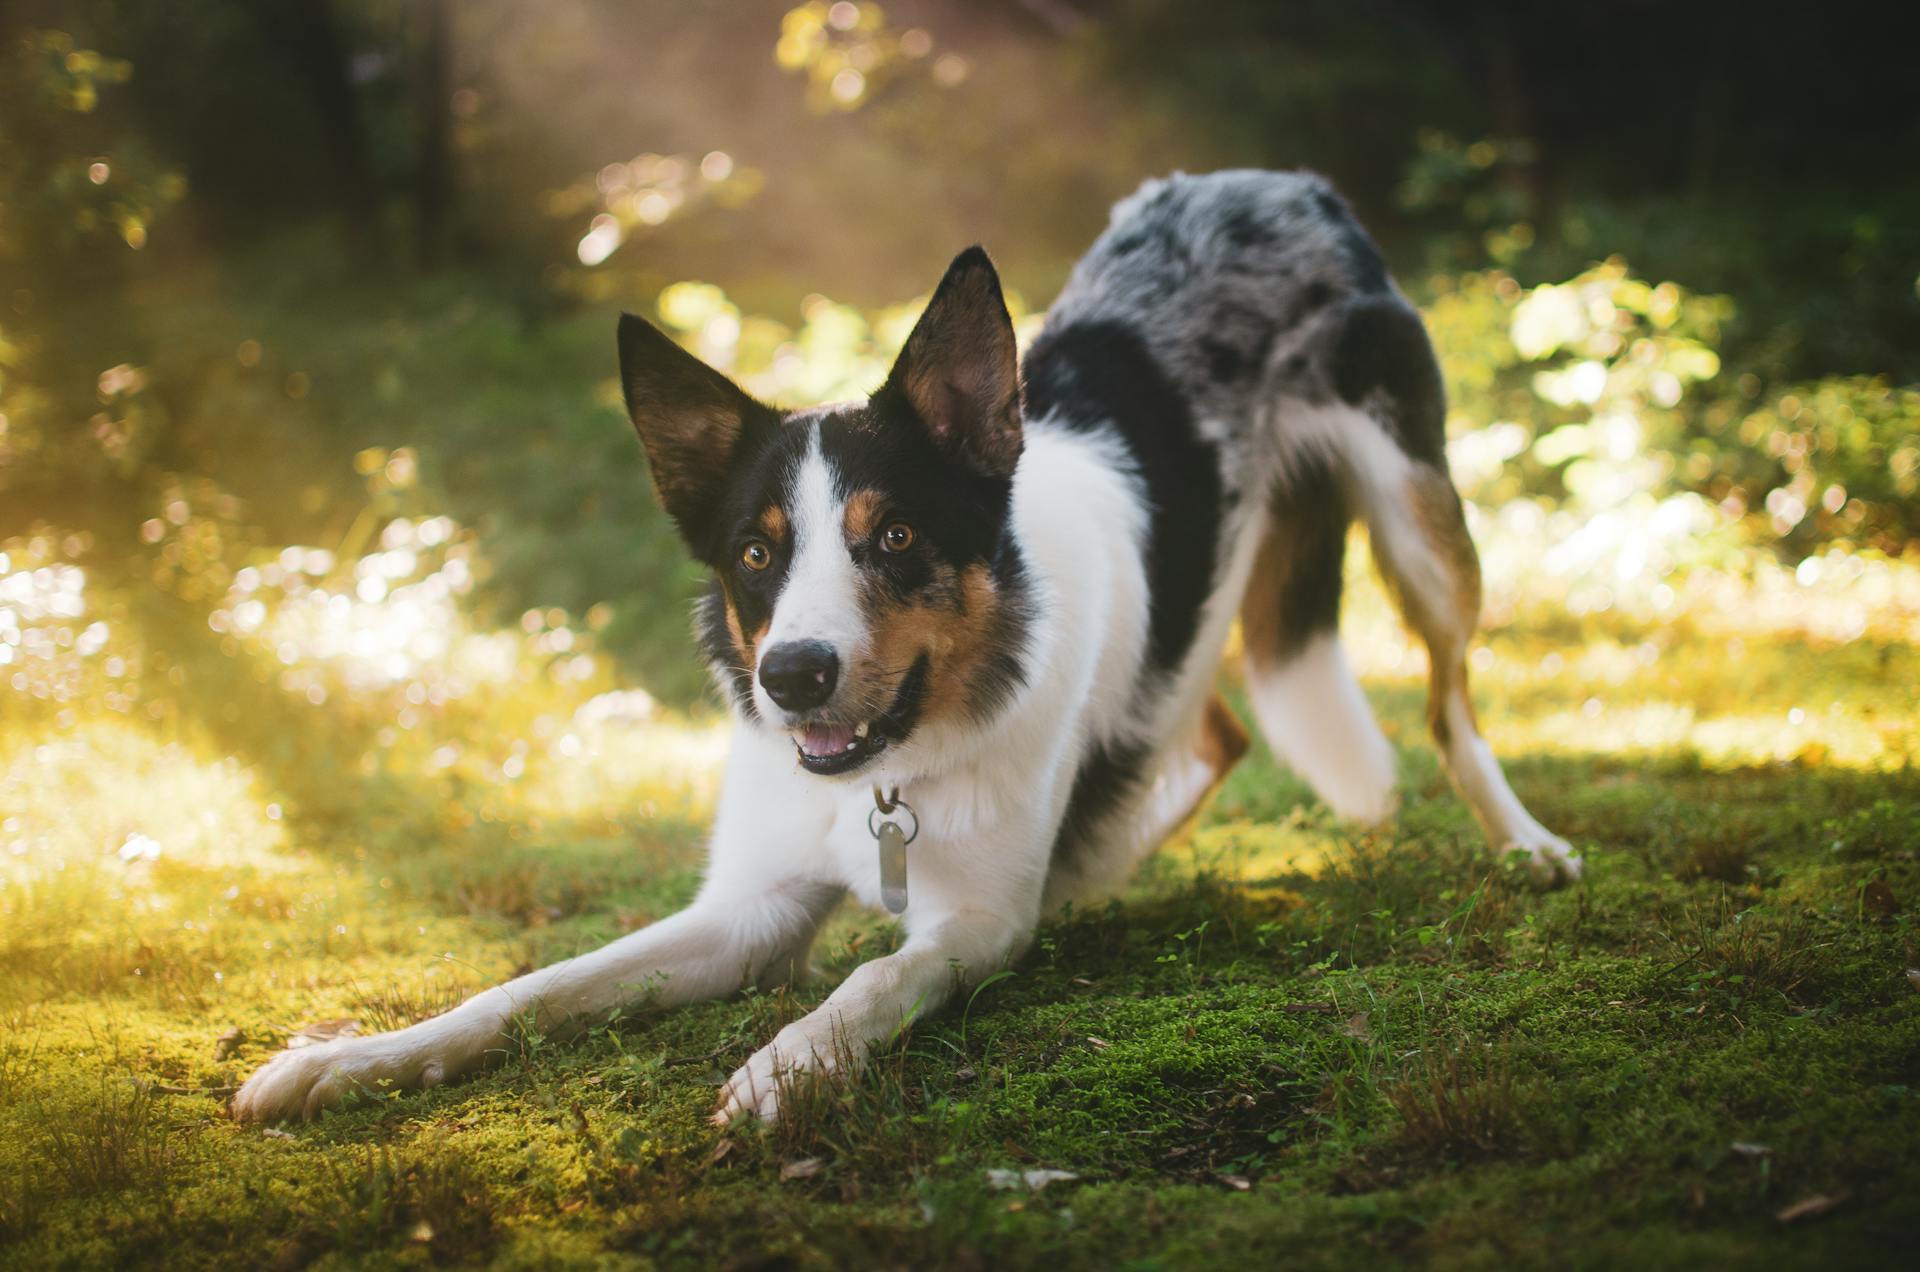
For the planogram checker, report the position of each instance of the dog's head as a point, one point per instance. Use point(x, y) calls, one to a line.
point(864, 576)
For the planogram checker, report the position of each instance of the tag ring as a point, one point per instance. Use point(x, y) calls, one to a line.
point(886, 806)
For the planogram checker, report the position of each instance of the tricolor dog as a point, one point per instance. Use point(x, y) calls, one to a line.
point(969, 627)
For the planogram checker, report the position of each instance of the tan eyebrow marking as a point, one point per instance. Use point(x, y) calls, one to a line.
point(773, 523)
point(862, 515)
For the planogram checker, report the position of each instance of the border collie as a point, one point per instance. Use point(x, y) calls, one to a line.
point(970, 626)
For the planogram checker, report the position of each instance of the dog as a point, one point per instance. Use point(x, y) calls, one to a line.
point(969, 628)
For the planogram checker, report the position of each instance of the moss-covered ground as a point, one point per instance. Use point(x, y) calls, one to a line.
point(1288, 1044)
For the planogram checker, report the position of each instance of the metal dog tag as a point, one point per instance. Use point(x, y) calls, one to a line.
point(893, 843)
point(893, 866)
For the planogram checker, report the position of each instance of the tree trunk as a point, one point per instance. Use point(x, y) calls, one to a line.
point(433, 167)
point(309, 36)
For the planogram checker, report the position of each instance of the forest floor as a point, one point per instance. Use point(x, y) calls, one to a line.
point(1288, 1043)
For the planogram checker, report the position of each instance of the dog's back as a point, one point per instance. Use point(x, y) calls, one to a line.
point(1238, 335)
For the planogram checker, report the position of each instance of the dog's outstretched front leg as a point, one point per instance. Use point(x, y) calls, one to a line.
point(872, 1005)
point(719, 944)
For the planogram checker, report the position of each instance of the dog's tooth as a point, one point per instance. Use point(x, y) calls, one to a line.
point(860, 730)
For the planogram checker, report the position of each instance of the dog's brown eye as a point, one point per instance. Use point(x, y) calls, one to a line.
point(755, 556)
point(897, 537)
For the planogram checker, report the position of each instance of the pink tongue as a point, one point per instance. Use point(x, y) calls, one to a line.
point(828, 739)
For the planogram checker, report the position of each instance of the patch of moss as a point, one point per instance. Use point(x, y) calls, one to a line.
point(1288, 1043)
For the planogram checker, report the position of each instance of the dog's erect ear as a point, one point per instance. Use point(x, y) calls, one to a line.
point(691, 420)
point(959, 371)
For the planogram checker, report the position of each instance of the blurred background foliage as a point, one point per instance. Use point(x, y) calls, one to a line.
point(306, 363)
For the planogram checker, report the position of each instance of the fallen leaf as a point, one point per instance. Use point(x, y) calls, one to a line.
point(274, 1132)
point(1356, 1027)
point(803, 1168)
point(1751, 1152)
point(1812, 1207)
point(1239, 1183)
point(320, 1031)
point(1098, 1044)
point(228, 1043)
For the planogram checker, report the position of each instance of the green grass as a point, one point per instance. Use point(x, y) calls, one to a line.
point(1287, 1043)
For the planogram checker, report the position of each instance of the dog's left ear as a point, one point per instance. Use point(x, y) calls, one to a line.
point(959, 371)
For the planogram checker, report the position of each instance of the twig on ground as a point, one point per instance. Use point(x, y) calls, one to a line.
point(162, 1088)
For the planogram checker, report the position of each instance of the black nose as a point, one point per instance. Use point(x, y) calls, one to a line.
point(800, 674)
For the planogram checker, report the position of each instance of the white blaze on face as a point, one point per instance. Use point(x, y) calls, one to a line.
point(820, 598)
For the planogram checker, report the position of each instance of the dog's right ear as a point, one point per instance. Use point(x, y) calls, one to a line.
point(690, 418)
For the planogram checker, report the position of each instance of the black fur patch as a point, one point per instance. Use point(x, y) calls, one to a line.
point(1311, 518)
point(1108, 774)
point(1224, 362)
point(904, 714)
point(1245, 228)
point(1382, 348)
point(1100, 377)
point(1238, 342)
point(1369, 271)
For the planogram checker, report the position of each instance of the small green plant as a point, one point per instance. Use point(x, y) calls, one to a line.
point(20, 1211)
point(431, 1197)
point(395, 1006)
point(1184, 951)
point(115, 1137)
point(1732, 955)
point(16, 1062)
point(1459, 1099)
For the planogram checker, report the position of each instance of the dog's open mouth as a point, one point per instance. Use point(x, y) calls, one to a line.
point(828, 748)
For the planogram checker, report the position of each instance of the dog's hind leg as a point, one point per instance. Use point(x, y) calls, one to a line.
point(1305, 697)
point(1193, 773)
point(1398, 470)
point(1100, 855)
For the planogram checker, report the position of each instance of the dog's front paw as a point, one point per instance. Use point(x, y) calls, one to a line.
point(301, 1083)
point(1550, 860)
point(757, 1087)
